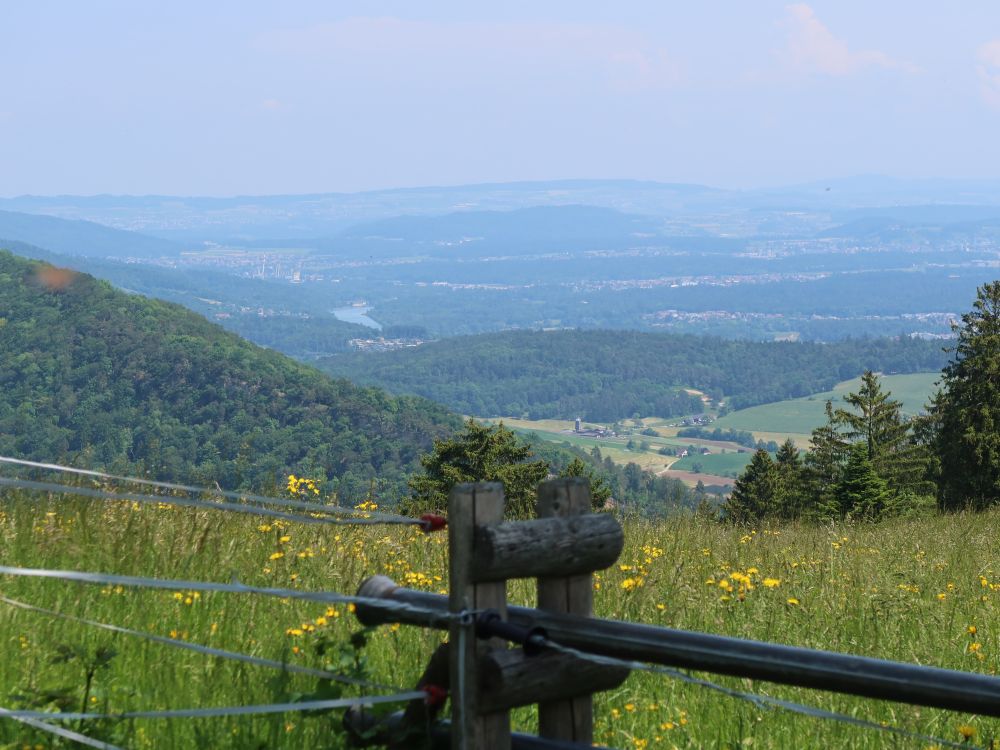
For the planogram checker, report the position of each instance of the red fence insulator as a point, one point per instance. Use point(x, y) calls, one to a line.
point(431, 522)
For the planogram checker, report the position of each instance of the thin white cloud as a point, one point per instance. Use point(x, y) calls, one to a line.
point(989, 72)
point(614, 56)
point(813, 48)
point(270, 104)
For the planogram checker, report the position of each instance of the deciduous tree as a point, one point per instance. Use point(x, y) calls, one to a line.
point(479, 454)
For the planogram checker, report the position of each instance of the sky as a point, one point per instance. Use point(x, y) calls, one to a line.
point(247, 97)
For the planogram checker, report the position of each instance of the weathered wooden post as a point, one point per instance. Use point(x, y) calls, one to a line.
point(573, 718)
point(486, 677)
point(471, 508)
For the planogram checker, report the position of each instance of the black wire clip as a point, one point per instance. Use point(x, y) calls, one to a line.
point(489, 624)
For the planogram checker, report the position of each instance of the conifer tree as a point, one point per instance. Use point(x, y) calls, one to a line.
point(967, 411)
point(822, 469)
point(756, 491)
point(862, 493)
point(788, 464)
point(877, 421)
point(600, 492)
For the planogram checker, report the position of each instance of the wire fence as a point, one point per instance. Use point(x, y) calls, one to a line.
point(53, 729)
point(195, 647)
point(246, 502)
point(222, 500)
point(316, 513)
point(219, 711)
point(323, 597)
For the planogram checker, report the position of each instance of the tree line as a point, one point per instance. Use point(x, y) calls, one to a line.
point(494, 453)
point(605, 376)
point(869, 462)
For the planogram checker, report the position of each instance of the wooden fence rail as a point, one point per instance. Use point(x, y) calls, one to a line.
point(486, 678)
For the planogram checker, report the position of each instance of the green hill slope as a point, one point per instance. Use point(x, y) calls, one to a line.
point(92, 375)
point(608, 375)
point(801, 416)
point(299, 324)
point(85, 238)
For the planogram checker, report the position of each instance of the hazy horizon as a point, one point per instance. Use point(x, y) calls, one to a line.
point(943, 182)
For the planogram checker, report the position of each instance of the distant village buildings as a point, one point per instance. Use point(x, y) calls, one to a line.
point(598, 432)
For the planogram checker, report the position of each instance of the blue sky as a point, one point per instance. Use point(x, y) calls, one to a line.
point(222, 98)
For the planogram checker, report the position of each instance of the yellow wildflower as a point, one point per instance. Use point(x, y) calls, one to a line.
point(967, 732)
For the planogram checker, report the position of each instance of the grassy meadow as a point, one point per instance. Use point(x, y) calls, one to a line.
point(796, 418)
point(730, 464)
point(924, 591)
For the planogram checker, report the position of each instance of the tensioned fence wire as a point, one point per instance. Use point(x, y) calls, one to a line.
point(244, 499)
point(216, 711)
point(759, 700)
point(66, 734)
point(195, 647)
point(158, 500)
point(324, 597)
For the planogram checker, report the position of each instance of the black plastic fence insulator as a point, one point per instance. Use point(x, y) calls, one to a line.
point(490, 624)
point(968, 692)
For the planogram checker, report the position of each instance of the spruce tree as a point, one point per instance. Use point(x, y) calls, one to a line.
point(755, 492)
point(967, 411)
point(877, 421)
point(600, 492)
point(862, 493)
point(788, 504)
point(822, 469)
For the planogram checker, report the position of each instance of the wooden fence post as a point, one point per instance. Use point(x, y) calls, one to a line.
point(572, 718)
point(469, 506)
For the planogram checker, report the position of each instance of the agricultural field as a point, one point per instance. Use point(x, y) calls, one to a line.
point(729, 464)
point(922, 591)
point(796, 418)
point(717, 470)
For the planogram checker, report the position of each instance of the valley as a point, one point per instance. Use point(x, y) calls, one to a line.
point(719, 462)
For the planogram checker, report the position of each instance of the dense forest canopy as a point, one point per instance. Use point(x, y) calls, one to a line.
point(611, 375)
point(94, 376)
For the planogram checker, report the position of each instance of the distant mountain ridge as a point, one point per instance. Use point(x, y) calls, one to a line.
point(83, 238)
point(93, 376)
point(322, 215)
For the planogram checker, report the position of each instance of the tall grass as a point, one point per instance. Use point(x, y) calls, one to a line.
point(910, 590)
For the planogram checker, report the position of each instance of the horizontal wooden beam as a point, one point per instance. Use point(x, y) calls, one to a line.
point(546, 547)
point(509, 678)
point(787, 665)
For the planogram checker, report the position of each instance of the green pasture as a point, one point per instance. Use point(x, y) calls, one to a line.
point(728, 464)
point(798, 417)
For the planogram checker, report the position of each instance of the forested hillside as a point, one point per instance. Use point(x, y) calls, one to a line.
point(81, 237)
point(297, 320)
point(94, 376)
point(609, 375)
